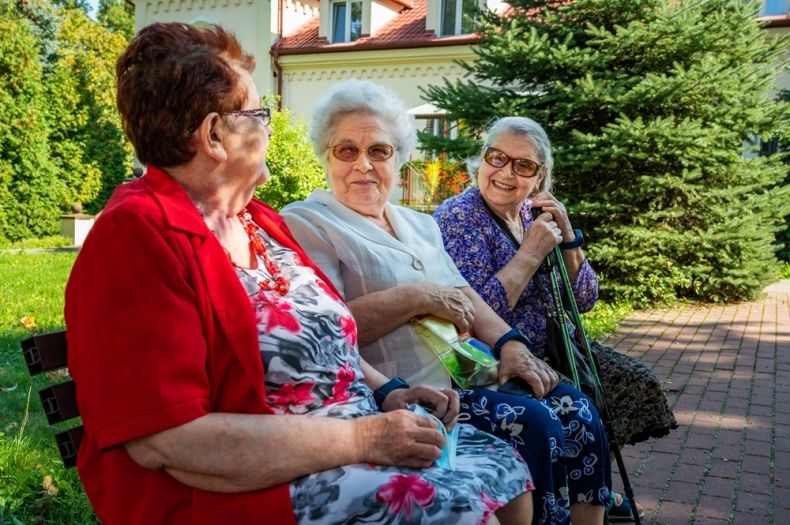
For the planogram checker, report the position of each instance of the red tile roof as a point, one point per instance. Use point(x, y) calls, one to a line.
point(776, 20)
point(406, 29)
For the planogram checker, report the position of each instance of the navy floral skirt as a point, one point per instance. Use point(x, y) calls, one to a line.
point(562, 439)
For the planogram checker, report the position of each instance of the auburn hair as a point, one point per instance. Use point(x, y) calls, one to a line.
point(168, 79)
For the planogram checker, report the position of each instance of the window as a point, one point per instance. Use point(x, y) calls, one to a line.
point(346, 28)
point(775, 7)
point(458, 17)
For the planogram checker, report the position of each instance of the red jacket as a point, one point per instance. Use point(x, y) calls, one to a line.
point(161, 332)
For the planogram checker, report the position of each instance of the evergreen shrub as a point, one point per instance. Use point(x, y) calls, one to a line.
point(649, 104)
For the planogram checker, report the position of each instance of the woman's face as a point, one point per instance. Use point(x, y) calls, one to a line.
point(363, 184)
point(502, 187)
point(248, 140)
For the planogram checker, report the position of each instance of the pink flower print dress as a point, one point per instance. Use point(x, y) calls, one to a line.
point(308, 342)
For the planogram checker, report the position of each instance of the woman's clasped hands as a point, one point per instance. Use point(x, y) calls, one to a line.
point(550, 228)
point(401, 437)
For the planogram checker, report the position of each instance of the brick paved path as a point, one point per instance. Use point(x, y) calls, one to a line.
point(727, 372)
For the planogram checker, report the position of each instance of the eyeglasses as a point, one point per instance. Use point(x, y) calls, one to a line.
point(350, 152)
point(522, 167)
point(265, 114)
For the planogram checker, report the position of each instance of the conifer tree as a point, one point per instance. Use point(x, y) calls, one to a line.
point(649, 104)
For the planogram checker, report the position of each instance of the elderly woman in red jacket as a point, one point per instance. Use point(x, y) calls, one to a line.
point(217, 369)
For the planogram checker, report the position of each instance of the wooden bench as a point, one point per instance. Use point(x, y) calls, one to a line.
point(47, 353)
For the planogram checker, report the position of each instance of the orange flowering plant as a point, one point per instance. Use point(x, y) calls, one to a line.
point(432, 181)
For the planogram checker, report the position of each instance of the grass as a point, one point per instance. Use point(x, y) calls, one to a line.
point(52, 241)
point(604, 318)
point(34, 486)
point(784, 273)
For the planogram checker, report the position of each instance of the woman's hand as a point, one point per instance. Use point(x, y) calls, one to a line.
point(542, 236)
point(517, 361)
point(441, 402)
point(400, 438)
point(548, 204)
point(449, 303)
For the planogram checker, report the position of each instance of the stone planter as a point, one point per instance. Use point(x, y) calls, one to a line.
point(76, 226)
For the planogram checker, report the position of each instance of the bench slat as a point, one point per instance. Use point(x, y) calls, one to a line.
point(45, 352)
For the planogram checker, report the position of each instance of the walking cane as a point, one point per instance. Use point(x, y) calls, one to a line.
point(552, 260)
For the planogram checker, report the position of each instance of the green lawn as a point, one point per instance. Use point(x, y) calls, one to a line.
point(34, 486)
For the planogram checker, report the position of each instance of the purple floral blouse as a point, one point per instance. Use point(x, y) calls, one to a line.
point(480, 249)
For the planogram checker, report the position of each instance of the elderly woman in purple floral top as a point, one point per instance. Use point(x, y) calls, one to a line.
point(479, 228)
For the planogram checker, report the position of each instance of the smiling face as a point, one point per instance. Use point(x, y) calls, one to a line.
point(362, 185)
point(502, 188)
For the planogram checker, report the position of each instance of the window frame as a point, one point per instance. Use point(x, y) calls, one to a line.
point(348, 11)
point(458, 17)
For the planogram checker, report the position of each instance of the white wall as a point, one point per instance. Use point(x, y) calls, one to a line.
point(307, 77)
point(254, 23)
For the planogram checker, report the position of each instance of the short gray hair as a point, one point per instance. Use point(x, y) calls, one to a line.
point(520, 127)
point(365, 97)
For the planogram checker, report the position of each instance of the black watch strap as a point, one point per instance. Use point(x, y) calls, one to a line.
point(380, 394)
point(577, 242)
point(513, 335)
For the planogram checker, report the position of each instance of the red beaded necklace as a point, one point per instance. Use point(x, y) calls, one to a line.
point(278, 283)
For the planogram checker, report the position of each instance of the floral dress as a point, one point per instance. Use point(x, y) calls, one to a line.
point(637, 404)
point(308, 342)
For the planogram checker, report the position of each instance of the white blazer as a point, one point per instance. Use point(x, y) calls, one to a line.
point(360, 258)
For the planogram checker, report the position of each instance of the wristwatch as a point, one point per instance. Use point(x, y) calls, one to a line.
point(380, 394)
point(513, 335)
point(577, 242)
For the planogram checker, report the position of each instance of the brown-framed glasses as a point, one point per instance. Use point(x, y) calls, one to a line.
point(375, 152)
point(527, 168)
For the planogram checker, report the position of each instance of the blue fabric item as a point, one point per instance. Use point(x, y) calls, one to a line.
point(621, 512)
point(562, 439)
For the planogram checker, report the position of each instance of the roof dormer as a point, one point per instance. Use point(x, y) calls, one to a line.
point(456, 17)
point(348, 20)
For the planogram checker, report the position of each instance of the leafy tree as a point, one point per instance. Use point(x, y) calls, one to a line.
point(44, 26)
point(87, 139)
point(30, 190)
point(648, 104)
point(117, 16)
point(295, 170)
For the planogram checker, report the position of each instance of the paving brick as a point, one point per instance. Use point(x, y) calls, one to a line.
point(705, 520)
point(714, 507)
point(693, 456)
point(758, 434)
point(757, 464)
point(747, 518)
point(723, 469)
point(682, 492)
point(728, 451)
point(758, 448)
point(753, 482)
point(689, 473)
point(752, 502)
point(673, 513)
point(720, 487)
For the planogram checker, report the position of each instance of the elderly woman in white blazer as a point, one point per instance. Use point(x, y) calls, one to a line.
point(390, 265)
